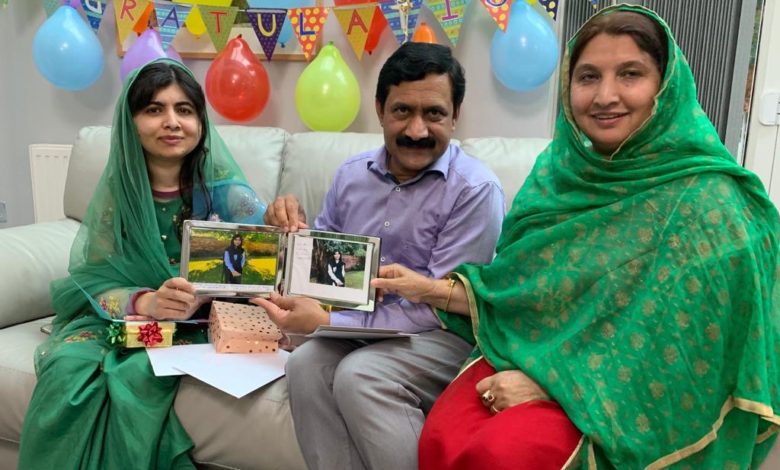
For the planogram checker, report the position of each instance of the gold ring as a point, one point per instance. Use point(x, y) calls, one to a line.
point(488, 398)
point(493, 409)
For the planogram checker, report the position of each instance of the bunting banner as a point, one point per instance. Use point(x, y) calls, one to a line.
point(356, 22)
point(307, 24)
point(146, 21)
point(218, 22)
point(449, 14)
point(499, 11)
point(268, 26)
point(94, 10)
point(402, 16)
point(552, 7)
point(195, 23)
point(50, 6)
point(128, 13)
point(170, 19)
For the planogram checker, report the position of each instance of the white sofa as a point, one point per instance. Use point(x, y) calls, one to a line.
point(256, 431)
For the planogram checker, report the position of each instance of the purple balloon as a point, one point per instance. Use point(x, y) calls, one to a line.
point(145, 49)
point(73, 3)
point(172, 54)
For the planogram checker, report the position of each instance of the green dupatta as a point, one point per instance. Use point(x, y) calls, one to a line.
point(641, 291)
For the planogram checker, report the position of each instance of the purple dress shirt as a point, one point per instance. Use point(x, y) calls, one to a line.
point(449, 214)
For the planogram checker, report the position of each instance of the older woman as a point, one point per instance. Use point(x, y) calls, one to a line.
point(630, 317)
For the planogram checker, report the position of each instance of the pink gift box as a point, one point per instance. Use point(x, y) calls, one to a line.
point(240, 328)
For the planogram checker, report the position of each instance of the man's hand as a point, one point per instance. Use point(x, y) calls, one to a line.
point(286, 213)
point(300, 315)
point(398, 279)
point(174, 300)
point(508, 388)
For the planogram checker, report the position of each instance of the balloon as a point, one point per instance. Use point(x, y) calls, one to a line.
point(236, 83)
point(524, 57)
point(74, 4)
point(146, 48)
point(67, 52)
point(327, 94)
point(172, 54)
point(424, 33)
point(378, 24)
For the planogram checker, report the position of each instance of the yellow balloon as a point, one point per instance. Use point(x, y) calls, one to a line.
point(327, 95)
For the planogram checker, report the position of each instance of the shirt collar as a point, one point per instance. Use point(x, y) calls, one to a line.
point(378, 164)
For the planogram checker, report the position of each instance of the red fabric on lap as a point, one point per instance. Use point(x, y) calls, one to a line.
point(461, 434)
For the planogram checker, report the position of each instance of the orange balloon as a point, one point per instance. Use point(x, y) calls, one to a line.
point(237, 84)
point(424, 33)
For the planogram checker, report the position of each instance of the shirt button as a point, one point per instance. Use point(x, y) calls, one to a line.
point(387, 223)
point(164, 237)
point(382, 259)
point(164, 209)
point(398, 189)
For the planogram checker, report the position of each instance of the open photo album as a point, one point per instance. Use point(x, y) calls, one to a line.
point(237, 260)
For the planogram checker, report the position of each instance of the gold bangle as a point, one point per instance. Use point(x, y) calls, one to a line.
point(449, 294)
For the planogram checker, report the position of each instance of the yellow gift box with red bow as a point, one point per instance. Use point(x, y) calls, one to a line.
point(149, 334)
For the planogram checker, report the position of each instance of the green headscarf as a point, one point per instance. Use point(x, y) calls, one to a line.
point(641, 290)
point(118, 243)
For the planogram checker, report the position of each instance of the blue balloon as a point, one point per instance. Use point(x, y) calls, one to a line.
point(524, 57)
point(66, 51)
point(287, 31)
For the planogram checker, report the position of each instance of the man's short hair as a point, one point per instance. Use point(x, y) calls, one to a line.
point(414, 61)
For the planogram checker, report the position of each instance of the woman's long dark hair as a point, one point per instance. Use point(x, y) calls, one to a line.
point(153, 78)
point(232, 248)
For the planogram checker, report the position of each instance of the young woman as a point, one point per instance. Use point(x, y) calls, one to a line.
point(336, 270)
point(97, 405)
point(630, 316)
point(234, 260)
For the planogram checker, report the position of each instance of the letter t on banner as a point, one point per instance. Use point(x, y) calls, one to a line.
point(218, 21)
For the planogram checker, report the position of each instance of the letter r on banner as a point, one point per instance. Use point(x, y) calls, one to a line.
point(127, 5)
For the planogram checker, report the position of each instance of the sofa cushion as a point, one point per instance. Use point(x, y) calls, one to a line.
point(32, 256)
point(258, 151)
point(311, 159)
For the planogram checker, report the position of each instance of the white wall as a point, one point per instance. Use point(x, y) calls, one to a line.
point(34, 111)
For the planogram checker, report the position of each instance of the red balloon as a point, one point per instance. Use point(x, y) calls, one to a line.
point(378, 23)
point(236, 83)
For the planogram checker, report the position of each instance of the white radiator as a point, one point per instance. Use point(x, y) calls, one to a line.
point(49, 169)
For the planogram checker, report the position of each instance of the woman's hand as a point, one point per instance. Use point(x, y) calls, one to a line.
point(398, 279)
point(174, 300)
point(285, 212)
point(508, 388)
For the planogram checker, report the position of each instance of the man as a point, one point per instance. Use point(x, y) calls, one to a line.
point(361, 404)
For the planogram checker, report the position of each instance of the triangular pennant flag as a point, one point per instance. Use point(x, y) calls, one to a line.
point(146, 21)
point(267, 25)
point(551, 6)
point(50, 6)
point(308, 24)
point(402, 16)
point(449, 13)
point(128, 13)
point(219, 21)
point(499, 10)
point(94, 10)
point(356, 23)
point(170, 19)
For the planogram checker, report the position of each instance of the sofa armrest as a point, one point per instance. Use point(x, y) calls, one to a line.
point(31, 257)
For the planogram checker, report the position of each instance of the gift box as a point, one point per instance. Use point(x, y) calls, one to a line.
point(149, 334)
point(240, 328)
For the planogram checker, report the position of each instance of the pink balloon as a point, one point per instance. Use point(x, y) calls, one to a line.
point(145, 49)
point(73, 3)
point(172, 54)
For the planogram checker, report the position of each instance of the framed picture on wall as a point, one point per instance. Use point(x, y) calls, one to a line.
point(190, 46)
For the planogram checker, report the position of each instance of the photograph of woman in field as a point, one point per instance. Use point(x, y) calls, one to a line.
point(336, 270)
point(234, 260)
point(249, 259)
point(338, 263)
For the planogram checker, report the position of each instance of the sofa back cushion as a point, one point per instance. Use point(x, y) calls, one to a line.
point(258, 151)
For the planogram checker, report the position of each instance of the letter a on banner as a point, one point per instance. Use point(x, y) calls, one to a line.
point(268, 26)
point(449, 13)
point(170, 19)
point(499, 10)
point(356, 23)
point(128, 13)
point(308, 24)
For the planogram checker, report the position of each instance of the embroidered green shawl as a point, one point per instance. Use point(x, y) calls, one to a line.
point(641, 291)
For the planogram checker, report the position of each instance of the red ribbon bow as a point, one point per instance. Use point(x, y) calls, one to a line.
point(150, 334)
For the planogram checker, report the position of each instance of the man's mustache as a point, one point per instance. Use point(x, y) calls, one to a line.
point(405, 141)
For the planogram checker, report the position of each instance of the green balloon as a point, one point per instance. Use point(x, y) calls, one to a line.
point(327, 95)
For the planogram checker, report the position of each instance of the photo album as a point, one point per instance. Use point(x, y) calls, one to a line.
point(237, 260)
